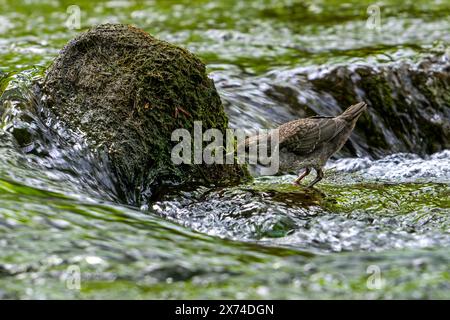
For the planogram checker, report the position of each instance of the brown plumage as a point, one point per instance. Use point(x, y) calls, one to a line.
point(308, 143)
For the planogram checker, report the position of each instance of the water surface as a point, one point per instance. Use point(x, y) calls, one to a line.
point(376, 227)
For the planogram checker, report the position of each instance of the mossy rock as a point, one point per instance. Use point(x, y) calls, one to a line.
point(408, 102)
point(127, 91)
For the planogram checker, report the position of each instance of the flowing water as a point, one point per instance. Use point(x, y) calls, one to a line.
point(378, 226)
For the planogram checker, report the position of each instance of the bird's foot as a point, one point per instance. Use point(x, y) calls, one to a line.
point(317, 179)
point(312, 186)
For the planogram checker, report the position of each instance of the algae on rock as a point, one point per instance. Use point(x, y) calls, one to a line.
point(127, 91)
point(408, 104)
point(408, 101)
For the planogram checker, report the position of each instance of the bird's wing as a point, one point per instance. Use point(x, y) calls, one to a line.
point(300, 136)
point(257, 140)
point(304, 135)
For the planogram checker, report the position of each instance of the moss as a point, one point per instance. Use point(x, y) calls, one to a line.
point(125, 89)
point(370, 198)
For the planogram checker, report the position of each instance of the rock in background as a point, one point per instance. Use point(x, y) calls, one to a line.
point(408, 101)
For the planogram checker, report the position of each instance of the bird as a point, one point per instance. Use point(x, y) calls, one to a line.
point(308, 143)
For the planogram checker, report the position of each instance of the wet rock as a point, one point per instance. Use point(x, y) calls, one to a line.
point(370, 215)
point(127, 91)
point(408, 102)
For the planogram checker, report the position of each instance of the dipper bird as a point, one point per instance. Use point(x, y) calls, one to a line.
point(308, 143)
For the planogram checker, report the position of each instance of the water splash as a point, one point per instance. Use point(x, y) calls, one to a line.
point(44, 152)
point(403, 167)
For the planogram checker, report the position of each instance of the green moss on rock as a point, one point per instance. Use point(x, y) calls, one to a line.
point(127, 91)
point(408, 104)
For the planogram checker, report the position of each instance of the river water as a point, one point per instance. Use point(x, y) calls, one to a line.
point(378, 226)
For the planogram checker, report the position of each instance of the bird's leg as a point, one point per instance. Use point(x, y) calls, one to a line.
point(318, 177)
point(304, 174)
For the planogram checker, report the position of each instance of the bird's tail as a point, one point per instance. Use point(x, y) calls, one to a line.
point(354, 111)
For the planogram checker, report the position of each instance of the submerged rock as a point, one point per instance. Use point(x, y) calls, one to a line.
point(128, 91)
